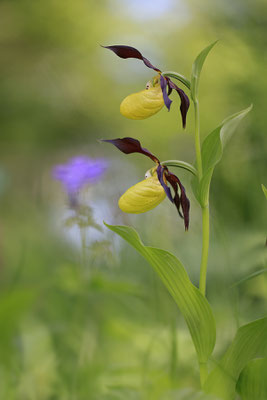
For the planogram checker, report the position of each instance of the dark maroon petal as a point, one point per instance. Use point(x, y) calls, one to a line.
point(185, 103)
point(176, 198)
point(180, 201)
point(169, 88)
point(160, 173)
point(129, 145)
point(130, 52)
point(163, 85)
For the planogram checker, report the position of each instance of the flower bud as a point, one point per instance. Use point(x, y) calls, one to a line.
point(143, 196)
point(143, 104)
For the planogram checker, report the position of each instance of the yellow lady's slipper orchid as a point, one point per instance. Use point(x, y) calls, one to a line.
point(143, 196)
point(143, 104)
point(149, 193)
point(148, 102)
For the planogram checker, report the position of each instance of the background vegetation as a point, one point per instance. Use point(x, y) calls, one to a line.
point(102, 326)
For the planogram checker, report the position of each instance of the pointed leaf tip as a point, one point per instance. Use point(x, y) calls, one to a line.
point(197, 68)
point(212, 151)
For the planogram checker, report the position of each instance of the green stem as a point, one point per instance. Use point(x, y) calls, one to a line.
point(197, 141)
point(83, 246)
point(177, 76)
point(203, 372)
point(180, 164)
point(205, 249)
point(205, 209)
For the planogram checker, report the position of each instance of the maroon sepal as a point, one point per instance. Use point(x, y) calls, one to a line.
point(185, 103)
point(180, 201)
point(129, 145)
point(130, 52)
point(160, 172)
point(163, 85)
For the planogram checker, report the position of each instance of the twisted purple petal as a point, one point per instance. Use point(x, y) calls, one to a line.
point(160, 173)
point(185, 103)
point(123, 51)
point(179, 201)
point(129, 145)
point(163, 85)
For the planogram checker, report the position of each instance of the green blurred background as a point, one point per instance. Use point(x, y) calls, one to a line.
point(101, 325)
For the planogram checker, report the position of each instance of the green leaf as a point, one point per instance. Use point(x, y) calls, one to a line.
point(192, 304)
point(264, 190)
point(252, 382)
point(196, 70)
point(212, 150)
point(250, 342)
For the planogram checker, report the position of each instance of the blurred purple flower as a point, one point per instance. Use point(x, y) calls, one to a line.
point(78, 172)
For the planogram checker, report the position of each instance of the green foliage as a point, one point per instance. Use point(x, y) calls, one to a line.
point(107, 335)
point(250, 342)
point(252, 382)
point(13, 306)
point(192, 304)
point(212, 151)
point(197, 68)
point(188, 394)
point(264, 190)
point(39, 363)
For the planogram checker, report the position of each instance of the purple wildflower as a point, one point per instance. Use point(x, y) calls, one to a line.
point(78, 172)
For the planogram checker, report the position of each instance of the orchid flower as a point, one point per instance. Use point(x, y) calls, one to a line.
point(150, 192)
point(148, 102)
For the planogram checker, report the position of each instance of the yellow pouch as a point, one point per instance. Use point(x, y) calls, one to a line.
point(143, 104)
point(142, 197)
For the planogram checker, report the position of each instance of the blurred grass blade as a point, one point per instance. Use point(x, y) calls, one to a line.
point(192, 304)
point(250, 276)
point(264, 190)
point(13, 305)
point(250, 342)
point(196, 69)
point(252, 382)
point(187, 394)
point(212, 150)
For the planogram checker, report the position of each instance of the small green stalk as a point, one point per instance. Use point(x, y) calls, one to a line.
point(205, 209)
point(203, 370)
point(177, 76)
point(180, 164)
point(197, 141)
point(205, 249)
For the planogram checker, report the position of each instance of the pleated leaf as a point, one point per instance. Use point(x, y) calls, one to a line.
point(250, 342)
point(192, 304)
point(212, 150)
point(197, 68)
point(264, 190)
point(252, 382)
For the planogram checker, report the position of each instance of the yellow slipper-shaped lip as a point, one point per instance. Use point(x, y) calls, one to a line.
point(142, 197)
point(143, 104)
